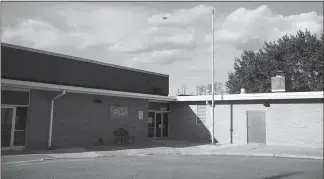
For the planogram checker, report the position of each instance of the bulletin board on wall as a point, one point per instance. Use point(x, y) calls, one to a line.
point(118, 111)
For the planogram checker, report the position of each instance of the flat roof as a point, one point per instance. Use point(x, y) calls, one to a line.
point(77, 58)
point(254, 96)
point(156, 98)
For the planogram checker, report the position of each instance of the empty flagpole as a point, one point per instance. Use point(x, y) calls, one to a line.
point(213, 105)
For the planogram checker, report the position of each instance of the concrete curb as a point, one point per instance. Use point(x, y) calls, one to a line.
point(270, 155)
point(181, 153)
point(27, 161)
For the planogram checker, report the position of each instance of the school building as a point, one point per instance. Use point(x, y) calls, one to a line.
point(50, 100)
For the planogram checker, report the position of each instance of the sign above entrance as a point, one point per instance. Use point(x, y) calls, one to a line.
point(165, 107)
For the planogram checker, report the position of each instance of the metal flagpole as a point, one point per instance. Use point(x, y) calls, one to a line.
point(213, 105)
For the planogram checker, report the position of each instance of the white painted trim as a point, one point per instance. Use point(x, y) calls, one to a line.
point(157, 101)
point(80, 90)
point(257, 96)
point(7, 88)
point(13, 124)
point(78, 58)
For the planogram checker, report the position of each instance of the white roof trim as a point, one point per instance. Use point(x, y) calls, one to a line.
point(78, 58)
point(80, 90)
point(255, 96)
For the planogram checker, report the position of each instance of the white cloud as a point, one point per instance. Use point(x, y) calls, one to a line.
point(104, 25)
point(162, 56)
point(34, 32)
point(170, 34)
point(181, 16)
point(244, 25)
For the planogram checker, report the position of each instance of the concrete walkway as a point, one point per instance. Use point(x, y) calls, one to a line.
point(171, 149)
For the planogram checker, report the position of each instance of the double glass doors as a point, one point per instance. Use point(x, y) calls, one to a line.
point(158, 125)
point(13, 127)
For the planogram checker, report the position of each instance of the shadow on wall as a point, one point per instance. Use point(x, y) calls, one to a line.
point(185, 132)
point(189, 122)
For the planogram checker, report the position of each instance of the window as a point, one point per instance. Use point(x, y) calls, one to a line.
point(201, 114)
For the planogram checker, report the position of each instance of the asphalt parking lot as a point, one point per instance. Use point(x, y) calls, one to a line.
point(167, 167)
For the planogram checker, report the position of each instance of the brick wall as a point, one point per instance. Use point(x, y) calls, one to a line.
point(183, 124)
point(38, 119)
point(78, 121)
point(295, 124)
point(290, 123)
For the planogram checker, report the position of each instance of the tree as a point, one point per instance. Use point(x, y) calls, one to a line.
point(207, 89)
point(218, 88)
point(183, 90)
point(200, 90)
point(300, 57)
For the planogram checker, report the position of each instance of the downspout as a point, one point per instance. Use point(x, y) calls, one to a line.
point(51, 119)
point(231, 124)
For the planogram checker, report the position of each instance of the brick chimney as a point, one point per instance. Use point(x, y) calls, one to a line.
point(278, 82)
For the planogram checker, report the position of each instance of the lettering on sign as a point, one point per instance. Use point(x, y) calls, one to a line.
point(118, 111)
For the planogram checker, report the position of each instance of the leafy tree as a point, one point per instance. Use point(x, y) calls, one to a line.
point(207, 89)
point(299, 56)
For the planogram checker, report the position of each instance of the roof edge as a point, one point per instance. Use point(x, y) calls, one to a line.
point(78, 58)
point(255, 96)
point(80, 90)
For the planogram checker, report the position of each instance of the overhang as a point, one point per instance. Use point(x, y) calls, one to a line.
point(79, 90)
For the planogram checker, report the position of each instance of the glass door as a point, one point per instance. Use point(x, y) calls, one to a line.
point(7, 132)
point(13, 127)
point(158, 126)
point(151, 124)
point(165, 124)
point(20, 127)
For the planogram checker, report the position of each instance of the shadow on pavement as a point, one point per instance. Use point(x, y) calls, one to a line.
point(111, 147)
point(282, 175)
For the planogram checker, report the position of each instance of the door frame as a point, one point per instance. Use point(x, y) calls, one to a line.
point(13, 125)
point(162, 120)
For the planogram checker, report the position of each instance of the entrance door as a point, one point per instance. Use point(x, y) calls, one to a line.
point(158, 125)
point(7, 125)
point(13, 127)
point(158, 119)
point(256, 127)
point(165, 124)
point(151, 124)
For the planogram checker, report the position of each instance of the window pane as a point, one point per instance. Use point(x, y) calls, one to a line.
point(6, 121)
point(21, 118)
point(19, 138)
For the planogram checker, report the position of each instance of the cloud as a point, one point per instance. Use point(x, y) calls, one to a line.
point(34, 32)
point(181, 32)
point(250, 28)
point(181, 16)
point(161, 56)
point(104, 25)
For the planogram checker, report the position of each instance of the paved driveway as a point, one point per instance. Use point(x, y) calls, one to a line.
point(167, 167)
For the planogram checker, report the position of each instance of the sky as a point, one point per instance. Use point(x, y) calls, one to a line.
point(134, 34)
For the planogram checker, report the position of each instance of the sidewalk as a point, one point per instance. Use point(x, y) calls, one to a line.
point(170, 149)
